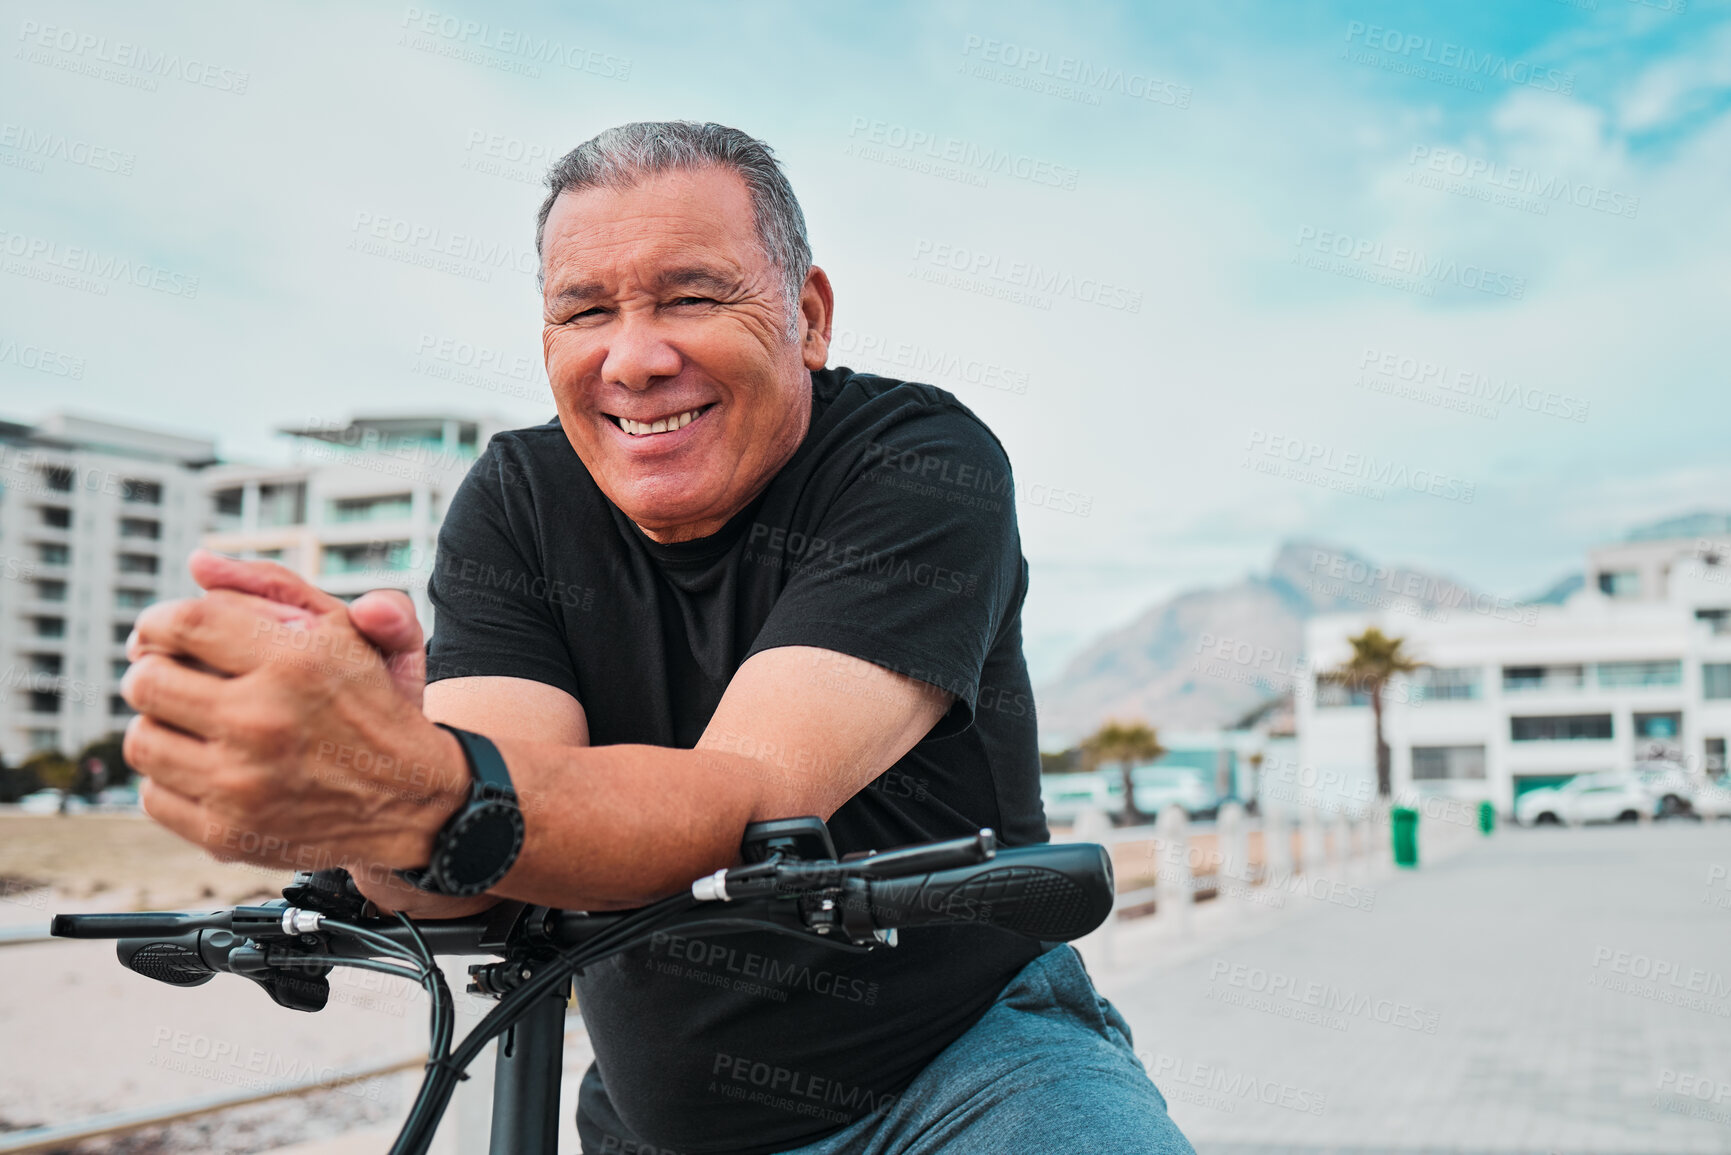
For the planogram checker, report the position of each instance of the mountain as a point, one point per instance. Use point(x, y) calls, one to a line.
point(1206, 658)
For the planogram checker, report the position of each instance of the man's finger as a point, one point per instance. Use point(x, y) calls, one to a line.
point(173, 692)
point(231, 632)
point(168, 757)
point(183, 815)
point(265, 579)
point(387, 619)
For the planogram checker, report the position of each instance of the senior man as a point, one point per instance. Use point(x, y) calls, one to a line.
point(727, 584)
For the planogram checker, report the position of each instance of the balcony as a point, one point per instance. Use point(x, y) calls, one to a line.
point(1544, 679)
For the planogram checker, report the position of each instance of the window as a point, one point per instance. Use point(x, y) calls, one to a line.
point(138, 563)
point(1331, 693)
point(1446, 684)
point(1617, 675)
point(133, 599)
point(1665, 726)
point(56, 517)
point(48, 664)
point(53, 553)
point(1718, 621)
point(122, 631)
point(1525, 679)
point(1623, 583)
point(392, 507)
point(1716, 679)
point(117, 705)
point(366, 557)
point(228, 501)
point(50, 627)
point(44, 740)
point(1437, 763)
point(1714, 748)
point(44, 702)
point(50, 591)
point(117, 668)
point(140, 527)
point(282, 504)
point(59, 478)
point(142, 492)
point(1561, 728)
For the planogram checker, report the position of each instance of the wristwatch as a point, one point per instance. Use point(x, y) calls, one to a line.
point(479, 844)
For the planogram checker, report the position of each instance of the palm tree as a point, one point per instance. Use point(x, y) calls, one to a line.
point(1376, 658)
point(1125, 743)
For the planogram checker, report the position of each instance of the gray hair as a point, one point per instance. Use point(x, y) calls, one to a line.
point(621, 157)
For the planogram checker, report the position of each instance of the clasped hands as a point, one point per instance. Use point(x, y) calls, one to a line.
point(280, 726)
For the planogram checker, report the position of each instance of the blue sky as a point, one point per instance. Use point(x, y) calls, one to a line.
point(1446, 283)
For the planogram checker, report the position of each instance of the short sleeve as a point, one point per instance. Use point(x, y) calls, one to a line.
point(495, 610)
point(916, 564)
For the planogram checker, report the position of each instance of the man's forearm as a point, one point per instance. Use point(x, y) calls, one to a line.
point(616, 826)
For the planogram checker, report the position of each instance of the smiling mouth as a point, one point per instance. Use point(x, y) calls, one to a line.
point(666, 424)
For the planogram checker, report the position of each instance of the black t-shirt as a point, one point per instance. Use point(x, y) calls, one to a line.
point(890, 535)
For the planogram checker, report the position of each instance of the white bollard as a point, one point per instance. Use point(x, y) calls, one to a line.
point(1276, 846)
point(1234, 840)
point(1094, 826)
point(1174, 890)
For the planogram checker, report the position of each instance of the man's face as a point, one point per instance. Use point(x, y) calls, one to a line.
point(663, 312)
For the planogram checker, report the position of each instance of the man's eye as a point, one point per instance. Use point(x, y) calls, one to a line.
point(586, 314)
point(693, 301)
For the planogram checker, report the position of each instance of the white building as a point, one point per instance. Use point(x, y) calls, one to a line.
point(96, 520)
point(360, 505)
point(1635, 665)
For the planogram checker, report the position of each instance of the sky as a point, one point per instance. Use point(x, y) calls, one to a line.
point(1442, 283)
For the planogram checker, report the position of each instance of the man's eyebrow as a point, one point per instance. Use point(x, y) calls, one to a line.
point(698, 277)
point(575, 294)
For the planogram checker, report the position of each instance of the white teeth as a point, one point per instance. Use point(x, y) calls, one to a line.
point(665, 425)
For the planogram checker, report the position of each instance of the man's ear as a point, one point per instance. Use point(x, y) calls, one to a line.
point(816, 314)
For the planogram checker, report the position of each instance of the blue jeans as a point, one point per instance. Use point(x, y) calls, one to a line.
point(1048, 1069)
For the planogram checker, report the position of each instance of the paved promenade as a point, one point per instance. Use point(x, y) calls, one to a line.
point(1542, 991)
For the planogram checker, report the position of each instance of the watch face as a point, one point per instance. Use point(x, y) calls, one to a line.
point(481, 847)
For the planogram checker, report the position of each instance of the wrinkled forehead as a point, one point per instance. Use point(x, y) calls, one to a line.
point(702, 217)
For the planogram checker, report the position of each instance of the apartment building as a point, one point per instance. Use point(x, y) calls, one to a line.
point(359, 505)
point(1634, 666)
point(96, 520)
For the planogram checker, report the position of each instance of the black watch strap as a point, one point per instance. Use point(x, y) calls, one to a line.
point(490, 791)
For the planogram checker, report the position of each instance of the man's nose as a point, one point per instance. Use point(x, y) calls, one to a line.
point(638, 355)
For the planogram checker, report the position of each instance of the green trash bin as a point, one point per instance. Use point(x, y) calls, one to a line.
point(1487, 817)
point(1403, 820)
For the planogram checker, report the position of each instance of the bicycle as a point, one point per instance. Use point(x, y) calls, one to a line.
point(791, 882)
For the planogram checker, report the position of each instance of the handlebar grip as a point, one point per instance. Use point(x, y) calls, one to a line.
point(1052, 892)
point(139, 924)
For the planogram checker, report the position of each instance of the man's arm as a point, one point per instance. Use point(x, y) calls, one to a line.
point(799, 731)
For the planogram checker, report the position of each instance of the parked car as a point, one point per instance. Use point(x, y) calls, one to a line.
point(1587, 798)
point(117, 798)
point(1713, 800)
point(1158, 787)
point(47, 801)
point(1067, 796)
point(1672, 785)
